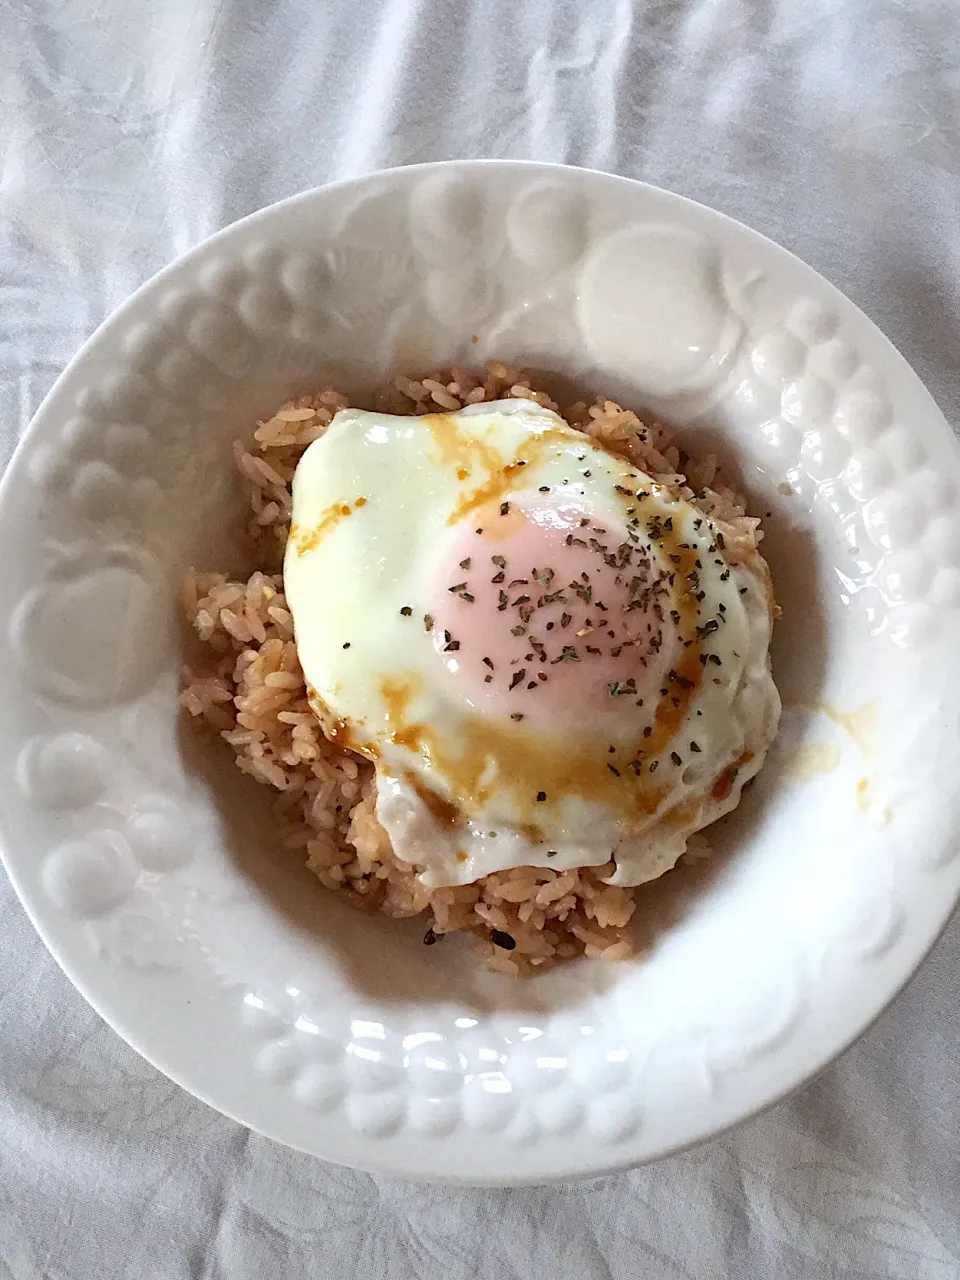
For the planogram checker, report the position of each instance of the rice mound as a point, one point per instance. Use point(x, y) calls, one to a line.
point(250, 690)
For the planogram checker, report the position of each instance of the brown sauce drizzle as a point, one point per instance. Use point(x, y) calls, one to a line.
point(724, 784)
point(309, 540)
point(446, 813)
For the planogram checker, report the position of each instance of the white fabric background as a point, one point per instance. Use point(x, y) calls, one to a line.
point(129, 130)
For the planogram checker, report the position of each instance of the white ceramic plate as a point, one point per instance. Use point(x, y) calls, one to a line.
point(146, 864)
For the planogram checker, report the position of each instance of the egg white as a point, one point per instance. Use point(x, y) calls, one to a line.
point(372, 503)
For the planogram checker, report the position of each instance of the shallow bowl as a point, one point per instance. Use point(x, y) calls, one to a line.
point(146, 860)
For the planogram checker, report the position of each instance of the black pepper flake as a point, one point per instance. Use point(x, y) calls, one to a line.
point(503, 940)
point(452, 647)
point(544, 488)
point(487, 663)
point(720, 542)
point(542, 675)
point(613, 769)
point(430, 937)
point(488, 679)
point(518, 677)
point(504, 508)
point(647, 731)
point(465, 595)
point(569, 653)
point(743, 590)
point(565, 619)
point(406, 611)
point(347, 645)
point(694, 748)
point(427, 622)
point(498, 561)
point(516, 715)
point(551, 853)
point(533, 685)
point(498, 577)
point(518, 630)
point(541, 796)
point(465, 564)
point(504, 601)
point(675, 757)
point(654, 764)
point(457, 586)
point(550, 626)
point(715, 659)
point(708, 628)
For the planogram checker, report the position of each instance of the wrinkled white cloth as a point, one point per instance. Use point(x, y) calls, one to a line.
point(131, 130)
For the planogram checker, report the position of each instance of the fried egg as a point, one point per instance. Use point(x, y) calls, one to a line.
point(551, 659)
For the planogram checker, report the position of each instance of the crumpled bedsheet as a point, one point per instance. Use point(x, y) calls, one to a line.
point(131, 129)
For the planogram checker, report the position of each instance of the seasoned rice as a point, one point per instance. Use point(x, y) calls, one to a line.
point(249, 689)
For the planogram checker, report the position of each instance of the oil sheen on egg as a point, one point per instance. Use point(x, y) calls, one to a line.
point(551, 659)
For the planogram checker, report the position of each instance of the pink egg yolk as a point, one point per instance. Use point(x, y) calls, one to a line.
point(544, 615)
